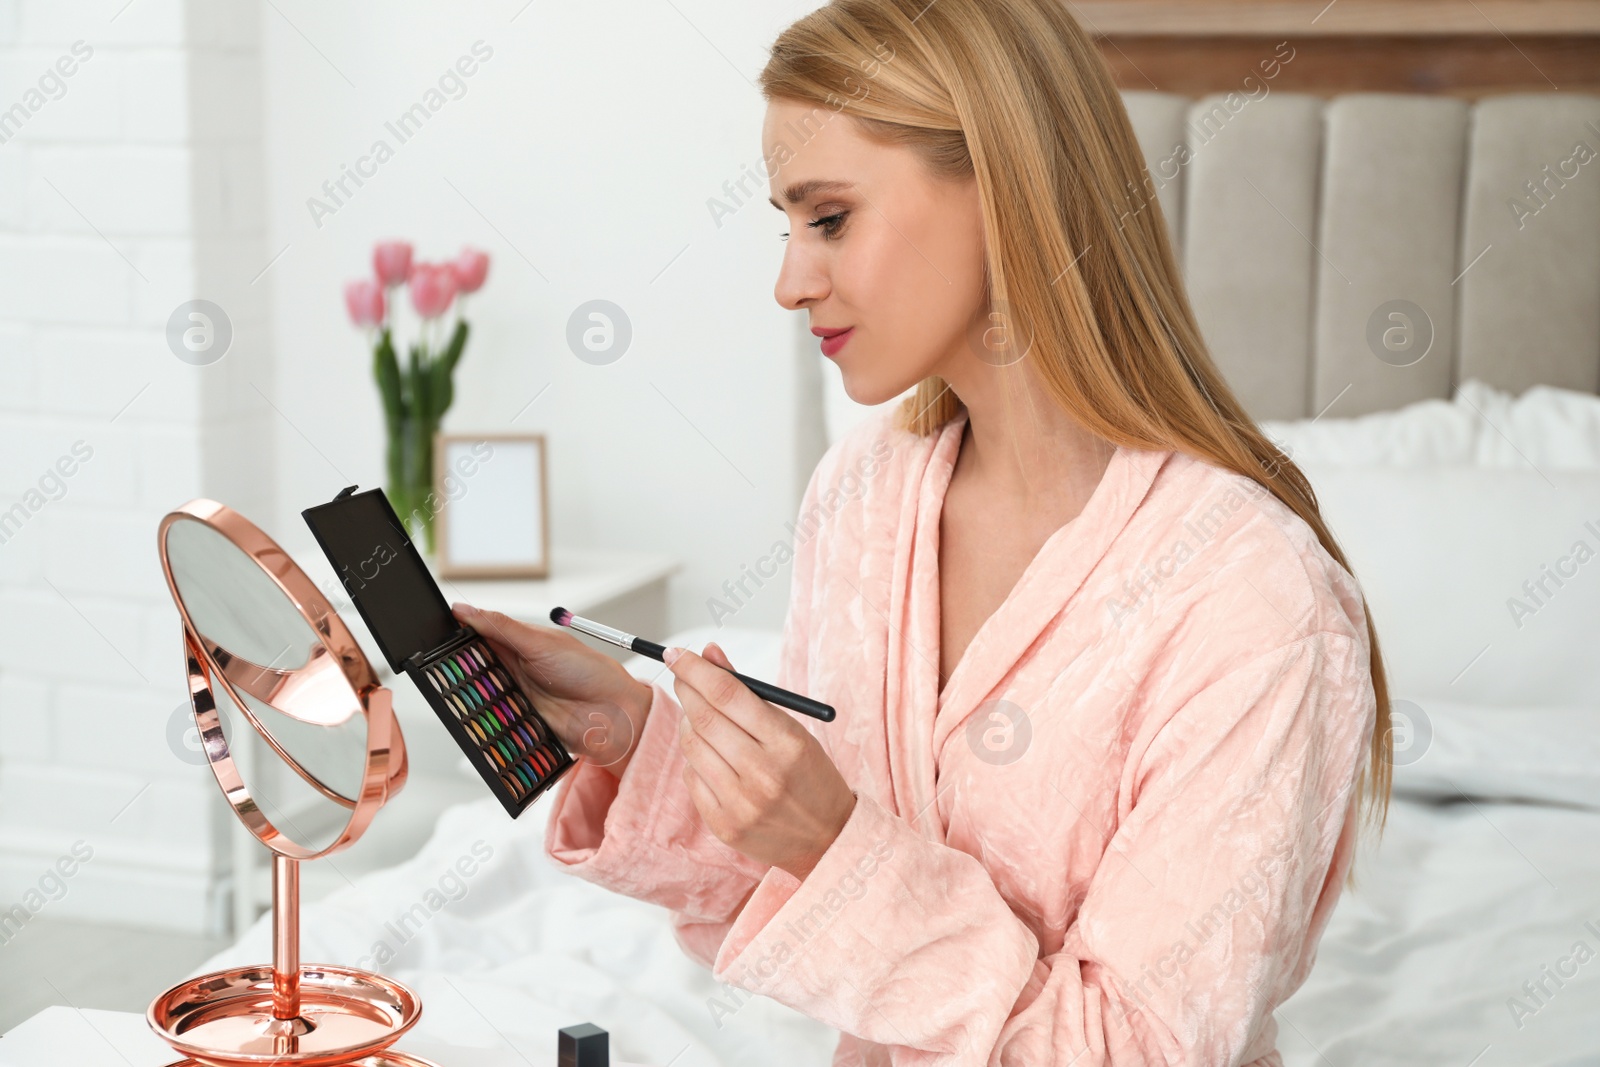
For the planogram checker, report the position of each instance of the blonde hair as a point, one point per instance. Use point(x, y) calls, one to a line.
point(1014, 94)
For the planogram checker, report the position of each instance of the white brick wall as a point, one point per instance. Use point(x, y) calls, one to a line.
point(134, 188)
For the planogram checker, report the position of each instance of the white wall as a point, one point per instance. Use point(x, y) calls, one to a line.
point(129, 164)
point(176, 164)
point(582, 156)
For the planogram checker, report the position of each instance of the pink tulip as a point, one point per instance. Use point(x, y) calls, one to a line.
point(364, 300)
point(470, 267)
point(433, 287)
point(391, 261)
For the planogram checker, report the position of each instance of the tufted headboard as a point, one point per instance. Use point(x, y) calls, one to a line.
point(1297, 218)
point(1300, 221)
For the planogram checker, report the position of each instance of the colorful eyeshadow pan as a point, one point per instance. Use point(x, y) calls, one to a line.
point(519, 752)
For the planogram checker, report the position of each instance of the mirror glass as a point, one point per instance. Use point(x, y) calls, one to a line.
point(290, 719)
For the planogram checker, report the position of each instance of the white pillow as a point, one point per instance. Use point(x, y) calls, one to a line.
point(1484, 584)
point(1429, 431)
point(1446, 749)
point(1545, 427)
point(1548, 427)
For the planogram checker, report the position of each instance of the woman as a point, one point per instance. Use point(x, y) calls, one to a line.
point(1106, 689)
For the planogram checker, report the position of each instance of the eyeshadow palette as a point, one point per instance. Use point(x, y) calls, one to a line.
point(487, 705)
point(474, 695)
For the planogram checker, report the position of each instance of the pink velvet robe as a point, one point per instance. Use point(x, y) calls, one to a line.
point(1114, 838)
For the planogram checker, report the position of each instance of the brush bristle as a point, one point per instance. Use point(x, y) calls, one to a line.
point(560, 616)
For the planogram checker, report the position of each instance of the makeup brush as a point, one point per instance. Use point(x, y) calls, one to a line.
point(781, 697)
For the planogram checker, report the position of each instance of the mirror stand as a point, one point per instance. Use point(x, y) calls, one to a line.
point(288, 1013)
point(287, 1021)
point(261, 641)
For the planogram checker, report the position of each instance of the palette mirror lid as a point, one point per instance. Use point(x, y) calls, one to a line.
point(383, 573)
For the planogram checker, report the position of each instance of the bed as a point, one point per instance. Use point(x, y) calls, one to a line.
point(1458, 461)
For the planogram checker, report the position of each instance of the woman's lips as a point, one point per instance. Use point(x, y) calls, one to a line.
point(831, 345)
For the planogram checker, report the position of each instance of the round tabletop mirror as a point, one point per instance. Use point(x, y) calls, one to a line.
point(303, 751)
point(304, 744)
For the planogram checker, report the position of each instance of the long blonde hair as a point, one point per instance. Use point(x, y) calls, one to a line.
point(1013, 93)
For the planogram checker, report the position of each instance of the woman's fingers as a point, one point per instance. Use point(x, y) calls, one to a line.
point(517, 642)
point(708, 721)
point(707, 771)
point(700, 753)
point(497, 627)
point(754, 717)
point(704, 797)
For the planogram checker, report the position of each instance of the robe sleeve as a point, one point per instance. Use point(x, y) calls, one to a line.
point(1202, 915)
point(642, 836)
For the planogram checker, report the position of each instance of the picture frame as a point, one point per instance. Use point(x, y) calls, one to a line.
point(494, 519)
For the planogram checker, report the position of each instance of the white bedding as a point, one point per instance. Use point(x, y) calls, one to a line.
point(1480, 425)
point(523, 950)
point(1461, 904)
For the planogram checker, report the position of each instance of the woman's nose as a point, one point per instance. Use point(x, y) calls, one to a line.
point(800, 280)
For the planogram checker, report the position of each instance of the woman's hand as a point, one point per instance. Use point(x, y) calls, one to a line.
point(762, 782)
point(592, 703)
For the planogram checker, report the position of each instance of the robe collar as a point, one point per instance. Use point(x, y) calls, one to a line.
point(922, 718)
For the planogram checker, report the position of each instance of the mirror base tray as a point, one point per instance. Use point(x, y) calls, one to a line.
point(346, 1016)
point(386, 1058)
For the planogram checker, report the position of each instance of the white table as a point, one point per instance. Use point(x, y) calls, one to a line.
point(68, 1037)
point(627, 590)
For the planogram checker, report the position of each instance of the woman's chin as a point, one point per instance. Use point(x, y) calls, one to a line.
point(870, 394)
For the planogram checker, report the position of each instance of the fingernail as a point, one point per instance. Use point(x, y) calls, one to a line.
point(670, 656)
point(464, 608)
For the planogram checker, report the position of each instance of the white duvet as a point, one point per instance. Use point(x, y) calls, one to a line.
point(1472, 940)
point(506, 956)
point(1425, 963)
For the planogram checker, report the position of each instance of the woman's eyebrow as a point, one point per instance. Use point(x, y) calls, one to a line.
point(801, 191)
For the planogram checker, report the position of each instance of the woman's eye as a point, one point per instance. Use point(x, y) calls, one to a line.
point(829, 225)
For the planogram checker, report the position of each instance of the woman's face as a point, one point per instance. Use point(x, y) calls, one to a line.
point(882, 248)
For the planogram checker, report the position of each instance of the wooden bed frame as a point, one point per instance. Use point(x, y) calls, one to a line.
point(1462, 48)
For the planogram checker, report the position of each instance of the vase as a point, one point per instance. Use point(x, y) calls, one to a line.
point(411, 478)
point(415, 399)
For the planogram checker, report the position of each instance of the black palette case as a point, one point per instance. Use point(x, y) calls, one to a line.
point(471, 691)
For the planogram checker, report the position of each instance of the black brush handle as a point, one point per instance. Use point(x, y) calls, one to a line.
point(770, 693)
point(785, 699)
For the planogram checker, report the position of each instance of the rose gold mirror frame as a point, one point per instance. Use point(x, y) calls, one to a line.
point(240, 1008)
point(386, 763)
